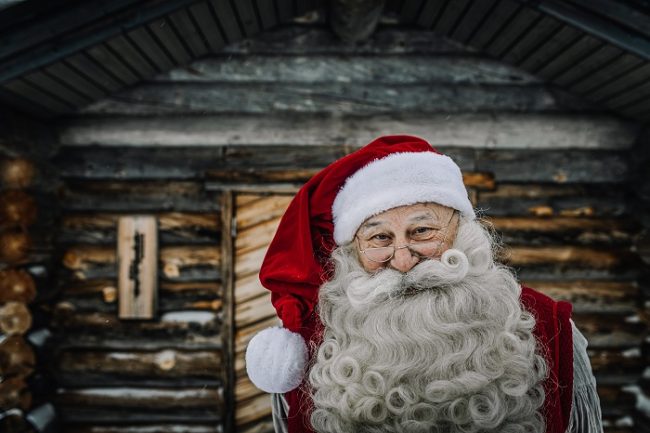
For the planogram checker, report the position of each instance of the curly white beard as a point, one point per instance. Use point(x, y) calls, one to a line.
point(445, 347)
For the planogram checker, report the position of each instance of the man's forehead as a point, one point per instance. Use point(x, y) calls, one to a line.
point(411, 213)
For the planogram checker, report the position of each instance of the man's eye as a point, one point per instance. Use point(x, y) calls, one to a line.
point(380, 237)
point(423, 230)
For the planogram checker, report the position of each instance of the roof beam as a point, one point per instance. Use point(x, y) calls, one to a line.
point(588, 21)
point(61, 45)
point(355, 20)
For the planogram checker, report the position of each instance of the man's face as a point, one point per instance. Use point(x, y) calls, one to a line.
point(429, 229)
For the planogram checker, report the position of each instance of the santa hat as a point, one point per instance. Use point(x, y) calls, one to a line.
point(390, 171)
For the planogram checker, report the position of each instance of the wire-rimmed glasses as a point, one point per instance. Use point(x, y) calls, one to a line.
point(422, 249)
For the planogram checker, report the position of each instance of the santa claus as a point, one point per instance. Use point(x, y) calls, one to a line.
point(398, 318)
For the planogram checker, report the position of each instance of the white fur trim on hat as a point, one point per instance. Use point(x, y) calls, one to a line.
point(398, 179)
point(276, 360)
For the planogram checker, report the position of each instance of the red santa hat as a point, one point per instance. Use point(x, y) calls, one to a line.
point(390, 171)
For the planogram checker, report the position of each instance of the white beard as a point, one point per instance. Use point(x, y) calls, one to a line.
point(445, 347)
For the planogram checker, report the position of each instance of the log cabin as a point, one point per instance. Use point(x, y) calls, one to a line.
point(205, 116)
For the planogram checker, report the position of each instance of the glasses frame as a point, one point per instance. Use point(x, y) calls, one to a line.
point(409, 246)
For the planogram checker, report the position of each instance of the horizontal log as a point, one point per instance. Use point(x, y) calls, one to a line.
point(253, 409)
point(146, 428)
point(173, 259)
point(150, 197)
point(261, 211)
point(96, 368)
point(107, 287)
point(256, 237)
point(174, 228)
point(559, 200)
point(254, 310)
point(106, 302)
point(568, 255)
point(151, 163)
point(244, 334)
point(568, 166)
point(244, 389)
point(248, 287)
point(502, 131)
point(613, 297)
point(322, 69)
point(258, 426)
point(180, 330)
point(249, 263)
point(349, 97)
point(630, 361)
point(243, 199)
point(296, 175)
point(320, 40)
point(137, 405)
point(611, 331)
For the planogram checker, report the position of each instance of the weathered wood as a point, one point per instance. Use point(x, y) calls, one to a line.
point(362, 69)
point(16, 285)
point(174, 228)
point(228, 329)
point(192, 327)
point(244, 389)
point(188, 290)
point(104, 301)
point(253, 409)
point(245, 333)
point(300, 40)
point(249, 263)
point(611, 331)
point(567, 255)
point(168, 404)
point(15, 245)
point(503, 131)
point(17, 208)
point(98, 261)
point(248, 287)
point(17, 173)
point(259, 426)
point(150, 197)
point(608, 297)
point(261, 211)
point(137, 262)
point(298, 175)
point(145, 428)
point(15, 318)
point(96, 368)
point(565, 230)
point(254, 310)
point(584, 200)
point(355, 20)
point(14, 393)
point(559, 167)
point(256, 237)
point(17, 358)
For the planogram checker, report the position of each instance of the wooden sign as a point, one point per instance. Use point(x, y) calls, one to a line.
point(137, 261)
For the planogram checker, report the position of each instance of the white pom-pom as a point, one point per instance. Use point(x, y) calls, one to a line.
point(276, 360)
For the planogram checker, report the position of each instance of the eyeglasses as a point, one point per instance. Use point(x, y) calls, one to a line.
point(421, 249)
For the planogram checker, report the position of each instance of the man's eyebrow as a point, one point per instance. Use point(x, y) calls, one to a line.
point(370, 224)
point(425, 217)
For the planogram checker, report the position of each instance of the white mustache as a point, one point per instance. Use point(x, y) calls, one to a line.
point(452, 268)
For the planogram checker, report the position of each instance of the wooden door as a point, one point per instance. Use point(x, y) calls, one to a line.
point(256, 219)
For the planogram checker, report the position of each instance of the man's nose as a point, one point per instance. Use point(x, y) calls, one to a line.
point(403, 260)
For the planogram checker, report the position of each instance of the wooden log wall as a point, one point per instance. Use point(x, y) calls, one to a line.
point(27, 217)
point(548, 170)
